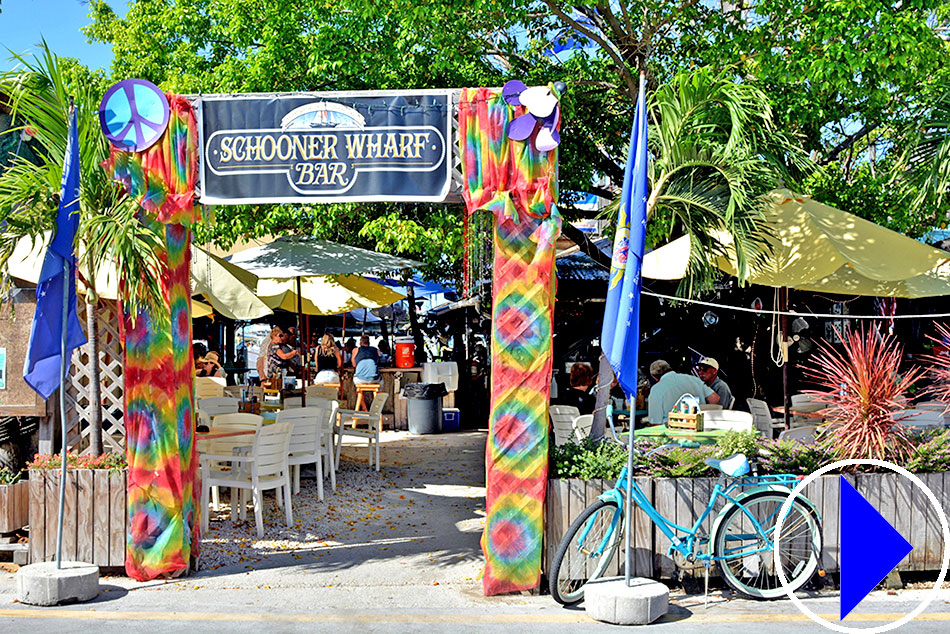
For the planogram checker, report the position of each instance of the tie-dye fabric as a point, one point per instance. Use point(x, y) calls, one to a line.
point(159, 365)
point(518, 185)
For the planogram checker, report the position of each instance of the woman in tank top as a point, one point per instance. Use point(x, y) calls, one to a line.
point(329, 361)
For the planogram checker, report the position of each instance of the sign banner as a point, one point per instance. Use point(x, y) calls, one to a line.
point(325, 147)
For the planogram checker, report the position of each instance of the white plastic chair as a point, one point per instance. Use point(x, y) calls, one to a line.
point(209, 387)
point(310, 442)
point(706, 407)
point(582, 425)
point(762, 418)
point(265, 468)
point(728, 419)
point(208, 408)
point(374, 420)
point(919, 418)
point(562, 420)
point(224, 422)
point(804, 434)
point(293, 402)
point(323, 392)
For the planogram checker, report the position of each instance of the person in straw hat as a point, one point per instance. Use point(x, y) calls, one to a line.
point(209, 365)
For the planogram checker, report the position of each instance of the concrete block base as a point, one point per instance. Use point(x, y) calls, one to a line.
point(611, 601)
point(45, 584)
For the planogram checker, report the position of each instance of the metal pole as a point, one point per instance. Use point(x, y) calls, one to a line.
point(62, 418)
point(786, 369)
point(62, 400)
point(628, 520)
point(304, 365)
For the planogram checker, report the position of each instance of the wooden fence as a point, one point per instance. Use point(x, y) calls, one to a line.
point(14, 506)
point(682, 500)
point(94, 519)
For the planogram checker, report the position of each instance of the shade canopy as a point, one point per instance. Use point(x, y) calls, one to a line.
point(300, 256)
point(228, 288)
point(326, 294)
point(820, 248)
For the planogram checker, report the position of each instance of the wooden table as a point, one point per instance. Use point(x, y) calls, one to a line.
point(213, 434)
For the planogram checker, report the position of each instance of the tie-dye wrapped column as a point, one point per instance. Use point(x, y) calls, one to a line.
point(159, 368)
point(518, 185)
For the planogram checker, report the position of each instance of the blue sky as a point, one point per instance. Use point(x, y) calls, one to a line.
point(23, 23)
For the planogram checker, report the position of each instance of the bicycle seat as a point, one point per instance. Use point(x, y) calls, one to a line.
point(734, 466)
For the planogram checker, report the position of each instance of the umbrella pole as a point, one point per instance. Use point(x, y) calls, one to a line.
point(303, 361)
point(783, 320)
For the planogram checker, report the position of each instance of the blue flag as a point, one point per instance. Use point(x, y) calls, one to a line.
point(620, 338)
point(41, 368)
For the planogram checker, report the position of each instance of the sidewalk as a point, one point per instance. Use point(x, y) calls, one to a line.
point(394, 551)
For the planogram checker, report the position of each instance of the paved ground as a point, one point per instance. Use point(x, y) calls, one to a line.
point(396, 551)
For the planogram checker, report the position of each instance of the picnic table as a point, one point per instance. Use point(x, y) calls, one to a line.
point(659, 432)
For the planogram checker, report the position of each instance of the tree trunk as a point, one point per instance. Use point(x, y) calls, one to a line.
point(95, 388)
point(605, 376)
point(414, 324)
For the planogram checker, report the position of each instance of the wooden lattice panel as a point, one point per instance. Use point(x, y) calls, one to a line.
point(111, 381)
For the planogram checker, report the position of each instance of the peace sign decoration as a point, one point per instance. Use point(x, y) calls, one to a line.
point(133, 114)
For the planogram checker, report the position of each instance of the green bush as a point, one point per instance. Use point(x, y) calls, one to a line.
point(932, 454)
point(588, 460)
point(744, 442)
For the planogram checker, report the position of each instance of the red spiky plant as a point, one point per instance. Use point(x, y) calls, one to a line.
point(938, 368)
point(861, 389)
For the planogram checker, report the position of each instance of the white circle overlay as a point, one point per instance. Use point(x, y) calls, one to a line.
point(787, 506)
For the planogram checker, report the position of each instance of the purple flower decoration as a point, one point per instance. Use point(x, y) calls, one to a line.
point(542, 116)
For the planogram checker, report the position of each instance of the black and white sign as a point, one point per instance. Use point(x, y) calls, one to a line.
point(325, 147)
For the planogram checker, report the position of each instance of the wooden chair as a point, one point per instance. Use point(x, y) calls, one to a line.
point(311, 441)
point(728, 419)
point(374, 420)
point(562, 420)
point(762, 418)
point(209, 387)
point(364, 388)
point(265, 468)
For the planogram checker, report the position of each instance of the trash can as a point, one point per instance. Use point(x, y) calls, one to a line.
point(425, 407)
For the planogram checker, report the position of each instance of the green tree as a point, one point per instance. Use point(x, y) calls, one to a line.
point(40, 92)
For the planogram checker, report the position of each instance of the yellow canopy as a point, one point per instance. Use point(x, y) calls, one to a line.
point(228, 288)
point(820, 248)
point(326, 294)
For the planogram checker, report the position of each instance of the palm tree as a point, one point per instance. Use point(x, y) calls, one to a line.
point(716, 153)
point(40, 91)
point(925, 160)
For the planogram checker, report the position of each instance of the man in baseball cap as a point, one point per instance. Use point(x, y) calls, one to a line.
point(708, 370)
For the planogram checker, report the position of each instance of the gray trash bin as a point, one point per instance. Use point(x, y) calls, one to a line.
point(425, 407)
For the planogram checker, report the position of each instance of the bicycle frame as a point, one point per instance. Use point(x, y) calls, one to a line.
point(686, 545)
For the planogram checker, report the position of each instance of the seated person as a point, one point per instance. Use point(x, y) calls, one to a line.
point(208, 365)
point(329, 361)
point(281, 354)
point(366, 363)
point(385, 354)
point(582, 377)
point(669, 387)
point(708, 370)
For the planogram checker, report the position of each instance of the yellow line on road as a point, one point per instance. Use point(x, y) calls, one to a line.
point(337, 617)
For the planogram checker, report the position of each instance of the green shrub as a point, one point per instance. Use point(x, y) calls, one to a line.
point(744, 442)
point(588, 460)
point(933, 454)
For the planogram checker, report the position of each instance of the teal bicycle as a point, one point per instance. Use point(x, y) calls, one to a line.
point(740, 542)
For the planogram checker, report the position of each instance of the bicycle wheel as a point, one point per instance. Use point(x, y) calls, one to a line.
point(748, 563)
point(583, 556)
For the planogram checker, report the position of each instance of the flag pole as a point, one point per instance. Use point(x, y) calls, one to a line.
point(628, 520)
point(62, 396)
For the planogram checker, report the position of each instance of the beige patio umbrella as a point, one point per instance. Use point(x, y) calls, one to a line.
point(326, 294)
point(229, 289)
point(820, 248)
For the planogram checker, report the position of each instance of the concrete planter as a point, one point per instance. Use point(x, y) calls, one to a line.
point(683, 499)
point(95, 517)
